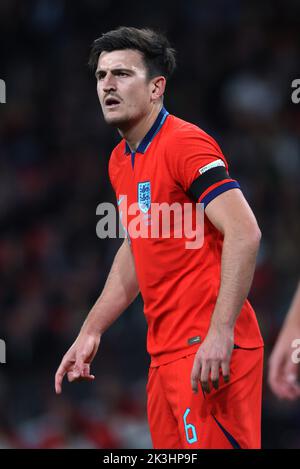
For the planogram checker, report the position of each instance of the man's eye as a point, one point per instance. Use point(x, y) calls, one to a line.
point(123, 74)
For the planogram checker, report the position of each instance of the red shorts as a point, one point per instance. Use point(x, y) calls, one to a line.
point(227, 418)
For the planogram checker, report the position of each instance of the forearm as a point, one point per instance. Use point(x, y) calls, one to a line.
point(237, 270)
point(120, 289)
point(292, 320)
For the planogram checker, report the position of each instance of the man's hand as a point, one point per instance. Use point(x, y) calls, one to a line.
point(283, 372)
point(213, 354)
point(76, 362)
point(284, 366)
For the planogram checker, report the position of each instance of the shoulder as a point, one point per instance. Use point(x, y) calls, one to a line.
point(117, 153)
point(182, 133)
point(190, 151)
point(118, 149)
point(115, 160)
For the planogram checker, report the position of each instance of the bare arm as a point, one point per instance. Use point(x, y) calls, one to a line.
point(120, 289)
point(232, 216)
point(293, 316)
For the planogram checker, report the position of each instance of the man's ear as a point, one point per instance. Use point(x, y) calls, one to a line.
point(158, 87)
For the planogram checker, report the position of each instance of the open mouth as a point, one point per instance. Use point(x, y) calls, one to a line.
point(111, 103)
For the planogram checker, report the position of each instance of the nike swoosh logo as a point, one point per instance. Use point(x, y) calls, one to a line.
point(120, 200)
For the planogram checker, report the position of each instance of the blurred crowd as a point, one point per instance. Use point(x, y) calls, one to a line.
point(236, 62)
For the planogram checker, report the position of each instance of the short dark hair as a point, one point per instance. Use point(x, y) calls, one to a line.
point(158, 56)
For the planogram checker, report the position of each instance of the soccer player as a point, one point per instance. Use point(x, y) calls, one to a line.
point(284, 362)
point(205, 377)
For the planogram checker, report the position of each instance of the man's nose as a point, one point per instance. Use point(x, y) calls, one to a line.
point(109, 83)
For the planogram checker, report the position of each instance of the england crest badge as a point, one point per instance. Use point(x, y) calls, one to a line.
point(144, 196)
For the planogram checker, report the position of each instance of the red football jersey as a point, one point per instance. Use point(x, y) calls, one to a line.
point(176, 162)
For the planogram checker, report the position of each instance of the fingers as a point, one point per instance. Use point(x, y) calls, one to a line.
point(210, 370)
point(291, 371)
point(215, 374)
point(75, 372)
point(282, 377)
point(287, 391)
point(292, 391)
point(293, 384)
point(86, 372)
point(225, 366)
point(195, 374)
point(205, 369)
point(82, 377)
point(59, 376)
point(80, 373)
point(276, 374)
point(200, 372)
point(78, 367)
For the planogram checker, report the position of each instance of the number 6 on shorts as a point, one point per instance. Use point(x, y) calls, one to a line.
point(189, 426)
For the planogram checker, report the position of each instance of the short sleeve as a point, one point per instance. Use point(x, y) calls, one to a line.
point(111, 171)
point(199, 165)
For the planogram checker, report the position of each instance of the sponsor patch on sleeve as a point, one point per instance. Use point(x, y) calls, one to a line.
point(213, 164)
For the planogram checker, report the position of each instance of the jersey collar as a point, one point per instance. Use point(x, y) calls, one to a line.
point(150, 134)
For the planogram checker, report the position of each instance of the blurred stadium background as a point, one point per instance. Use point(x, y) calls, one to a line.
point(236, 62)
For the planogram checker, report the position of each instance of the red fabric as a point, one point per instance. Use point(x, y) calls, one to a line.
point(179, 286)
point(235, 405)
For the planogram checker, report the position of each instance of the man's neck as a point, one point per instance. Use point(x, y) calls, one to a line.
point(135, 134)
